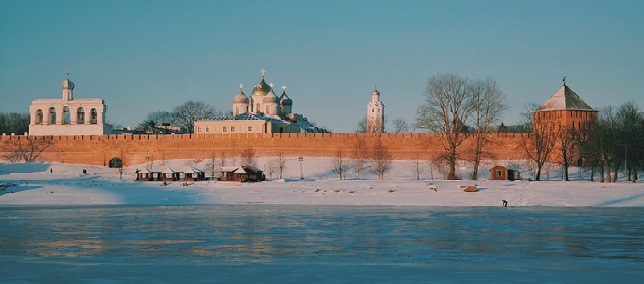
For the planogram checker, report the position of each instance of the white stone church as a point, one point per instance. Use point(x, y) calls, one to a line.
point(262, 112)
point(68, 116)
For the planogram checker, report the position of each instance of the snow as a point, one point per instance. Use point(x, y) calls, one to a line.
point(58, 184)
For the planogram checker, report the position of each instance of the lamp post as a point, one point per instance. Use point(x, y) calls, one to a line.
point(301, 172)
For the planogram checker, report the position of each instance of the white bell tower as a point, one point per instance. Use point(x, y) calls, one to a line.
point(375, 114)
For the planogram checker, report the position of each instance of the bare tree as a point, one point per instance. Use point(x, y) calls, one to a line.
point(360, 156)
point(270, 169)
point(488, 105)
point(630, 117)
point(248, 157)
point(417, 167)
point(540, 144)
point(280, 163)
point(448, 105)
point(339, 166)
point(589, 147)
point(362, 126)
point(155, 119)
point(381, 159)
point(608, 141)
point(213, 165)
point(29, 150)
point(400, 125)
point(568, 144)
point(186, 114)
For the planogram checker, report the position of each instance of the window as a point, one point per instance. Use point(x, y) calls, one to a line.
point(39, 116)
point(225, 129)
point(498, 173)
point(199, 129)
point(80, 115)
point(52, 115)
point(93, 117)
point(207, 128)
point(67, 118)
point(232, 129)
point(250, 129)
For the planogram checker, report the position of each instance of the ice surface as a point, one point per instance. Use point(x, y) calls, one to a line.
point(286, 243)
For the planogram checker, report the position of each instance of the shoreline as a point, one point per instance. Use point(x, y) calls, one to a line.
point(36, 185)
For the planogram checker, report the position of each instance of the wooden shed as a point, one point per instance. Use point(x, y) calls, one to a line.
point(502, 173)
point(191, 174)
point(242, 174)
point(170, 175)
point(148, 175)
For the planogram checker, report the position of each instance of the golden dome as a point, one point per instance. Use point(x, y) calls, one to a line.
point(261, 89)
point(240, 98)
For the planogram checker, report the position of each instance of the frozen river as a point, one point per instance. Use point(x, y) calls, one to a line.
point(260, 243)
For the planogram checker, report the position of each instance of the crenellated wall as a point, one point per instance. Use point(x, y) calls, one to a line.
point(138, 149)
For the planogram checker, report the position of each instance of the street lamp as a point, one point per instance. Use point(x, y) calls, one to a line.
point(301, 172)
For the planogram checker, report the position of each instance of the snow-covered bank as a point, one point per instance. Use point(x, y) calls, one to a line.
point(62, 184)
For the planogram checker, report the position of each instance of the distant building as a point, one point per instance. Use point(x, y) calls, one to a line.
point(566, 110)
point(262, 112)
point(68, 116)
point(375, 114)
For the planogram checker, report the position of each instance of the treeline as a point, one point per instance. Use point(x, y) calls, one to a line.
point(615, 142)
point(183, 115)
point(14, 122)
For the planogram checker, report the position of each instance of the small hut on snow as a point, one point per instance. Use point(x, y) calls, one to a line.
point(502, 173)
point(242, 174)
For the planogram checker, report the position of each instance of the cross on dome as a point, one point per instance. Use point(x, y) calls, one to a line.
point(241, 86)
point(284, 88)
point(263, 72)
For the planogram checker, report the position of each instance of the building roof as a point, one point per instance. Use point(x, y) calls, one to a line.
point(565, 99)
point(248, 116)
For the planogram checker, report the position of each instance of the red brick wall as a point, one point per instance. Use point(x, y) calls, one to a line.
point(134, 149)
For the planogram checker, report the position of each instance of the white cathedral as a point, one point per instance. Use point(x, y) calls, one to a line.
point(68, 116)
point(262, 112)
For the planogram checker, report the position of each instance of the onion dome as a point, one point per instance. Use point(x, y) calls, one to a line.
point(285, 100)
point(270, 97)
point(68, 85)
point(240, 98)
point(261, 89)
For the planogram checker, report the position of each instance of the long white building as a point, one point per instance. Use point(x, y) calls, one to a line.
point(68, 116)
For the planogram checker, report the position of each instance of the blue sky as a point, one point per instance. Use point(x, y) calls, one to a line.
point(144, 56)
